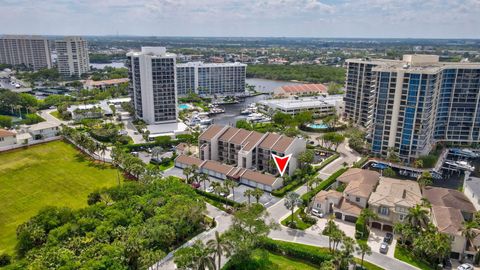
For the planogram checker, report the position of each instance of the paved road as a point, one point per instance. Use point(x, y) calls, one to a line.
point(45, 114)
point(131, 130)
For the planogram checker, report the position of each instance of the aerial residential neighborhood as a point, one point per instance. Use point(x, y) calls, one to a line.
point(238, 135)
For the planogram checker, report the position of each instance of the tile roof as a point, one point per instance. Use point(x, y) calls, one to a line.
point(358, 174)
point(217, 167)
point(304, 88)
point(360, 182)
point(391, 192)
point(448, 220)
point(5, 133)
point(188, 160)
point(228, 134)
point(252, 140)
point(348, 207)
point(262, 178)
point(269, 141)
point(240, 136)
point(181, 146)
point(282, 144)
point(210, 132)
point(448, 198)
point(324, 194)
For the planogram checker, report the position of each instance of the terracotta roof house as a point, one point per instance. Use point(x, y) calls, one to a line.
point(391, 201)
point(359, 186)
point(300, 90)
point(324, 200)
point(450, 209)
point(471, 189)
point(7, 137)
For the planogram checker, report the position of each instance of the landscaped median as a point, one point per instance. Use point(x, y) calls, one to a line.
point(327, 161)
point(406, 256)
point(302, 221)
point(275, 254)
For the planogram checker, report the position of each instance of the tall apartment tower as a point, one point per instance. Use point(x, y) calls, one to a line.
point(153, 85)
point(211, 78)
point(31, 51)
point(417, 102)
point(72, 56)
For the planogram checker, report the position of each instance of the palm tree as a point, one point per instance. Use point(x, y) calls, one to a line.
point(425, 179)
point(156, 151)
point(363, 249)
point(248, 194)
point(468, 231)
point(292, 200)
point(102, 149)
point(417, 217)
point(257, 193)
point(347, 252)
point(368, 215)
point(221, 246)
point(229, 183)
point(330, 227)
point(205, 261)
point(187, 171)
point(337, 237)
point(217, 188)
point(203, 177)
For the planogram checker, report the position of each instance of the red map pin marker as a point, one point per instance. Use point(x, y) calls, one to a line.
point(281, 162)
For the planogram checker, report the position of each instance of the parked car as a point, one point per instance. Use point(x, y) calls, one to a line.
point(388, 238)
point(195, 185)
point(134, 154)
point(383, 248)
point(316, 213)
point(209, 189)
point(465, 266)
point(156, 161)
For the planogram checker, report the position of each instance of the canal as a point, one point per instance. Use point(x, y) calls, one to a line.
point(232, 111)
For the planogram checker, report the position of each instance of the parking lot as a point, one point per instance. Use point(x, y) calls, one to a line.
point(267, 199)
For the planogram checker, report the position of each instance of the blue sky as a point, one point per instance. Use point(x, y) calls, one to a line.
point(289, 18)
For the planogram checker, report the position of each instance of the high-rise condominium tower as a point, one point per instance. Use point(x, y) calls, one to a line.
point(72, 56)
point(153, 86)
point(408, 105)
point(31, 51)
point(211, 78)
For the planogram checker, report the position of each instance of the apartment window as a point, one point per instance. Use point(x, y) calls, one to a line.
point(357, 199)
point(383, 211)
point(401, 217)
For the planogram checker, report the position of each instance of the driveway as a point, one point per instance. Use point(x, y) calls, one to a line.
point(376, 238)
point(267, 199)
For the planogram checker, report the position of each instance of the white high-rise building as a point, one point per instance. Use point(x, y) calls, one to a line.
point(153, 86)
point(211, 78)
point(31, 51)
point(72, 56)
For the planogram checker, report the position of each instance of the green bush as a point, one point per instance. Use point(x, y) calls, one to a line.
point(218, 198)
point(104, 134)
point(32, 118)
point(323, 185)
point(361, 231)
point(310, 254)
point(360, 163)
point(327, 161)
point(5, 259)
point(5, 121)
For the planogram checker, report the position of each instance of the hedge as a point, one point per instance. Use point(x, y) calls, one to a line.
point(290, 187)
point(360, 163)
point(323, 185)
point(327, 161)
point(310, 254)
point(361, 230)
point(218, 198)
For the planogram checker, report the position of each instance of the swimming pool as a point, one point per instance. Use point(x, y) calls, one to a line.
point(184, 106)
point(318, 126)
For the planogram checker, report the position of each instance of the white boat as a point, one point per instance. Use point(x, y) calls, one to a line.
point(255, 117)
point(206, 121)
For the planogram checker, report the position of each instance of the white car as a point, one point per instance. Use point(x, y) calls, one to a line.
point(317, 213)
point(465, 266)
point(209, 189)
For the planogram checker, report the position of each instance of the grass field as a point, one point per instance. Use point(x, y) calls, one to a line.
point(405, 255)
point(49, 174)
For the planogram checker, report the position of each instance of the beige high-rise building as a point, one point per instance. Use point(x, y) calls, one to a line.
point(72, 56)
point(31, 51)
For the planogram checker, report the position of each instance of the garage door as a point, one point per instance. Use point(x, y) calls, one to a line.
point(338, 215)
point(387, 228)
point(351, 219)
point(376, 225)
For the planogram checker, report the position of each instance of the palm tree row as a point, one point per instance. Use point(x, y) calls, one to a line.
point(85, 142)
point(343, 255)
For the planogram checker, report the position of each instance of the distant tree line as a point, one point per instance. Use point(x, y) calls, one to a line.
point(306, 73)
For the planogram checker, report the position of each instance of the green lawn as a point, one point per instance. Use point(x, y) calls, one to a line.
point(404, 255)
point(56, 114)
point(265, 260)
point(300, 224)
point(49, 174)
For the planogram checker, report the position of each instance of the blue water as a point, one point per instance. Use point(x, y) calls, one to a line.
point(318, 126)
point(183, 106)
